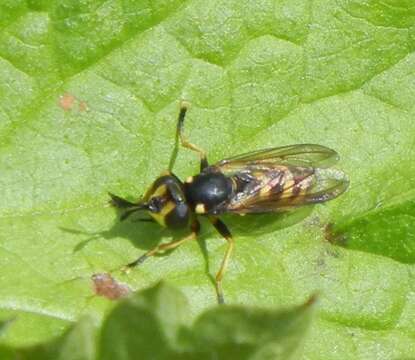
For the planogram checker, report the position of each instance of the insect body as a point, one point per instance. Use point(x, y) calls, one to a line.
point(270, 180)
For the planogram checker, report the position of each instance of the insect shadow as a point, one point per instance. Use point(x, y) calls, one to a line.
point(145, 235)
point(261, 224)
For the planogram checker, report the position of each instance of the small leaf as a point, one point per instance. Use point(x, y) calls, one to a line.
point(232, 332)
point(78, 343)
point(145, 326)
point(153, 325)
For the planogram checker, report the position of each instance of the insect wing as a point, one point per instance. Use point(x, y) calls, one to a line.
point(314, 187)
point(282, 178)
point(302, 155)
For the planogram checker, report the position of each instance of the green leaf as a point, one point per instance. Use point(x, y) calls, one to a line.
point(78, 343)
point(145, 326)
point(250, 333)
point(153, 325)
point(371, 231)
point(89, 94)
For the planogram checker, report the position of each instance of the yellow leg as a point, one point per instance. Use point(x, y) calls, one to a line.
point(163, 247)
point(223, 230)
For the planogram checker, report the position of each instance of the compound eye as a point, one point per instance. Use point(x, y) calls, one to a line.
point(155, 204)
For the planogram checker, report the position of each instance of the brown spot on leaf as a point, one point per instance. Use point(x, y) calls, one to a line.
point(105, 285)
point(69, 102)
point(66, 101)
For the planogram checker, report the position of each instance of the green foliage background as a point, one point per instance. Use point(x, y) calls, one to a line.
point(257, 73)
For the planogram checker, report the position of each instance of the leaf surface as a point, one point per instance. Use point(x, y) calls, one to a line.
point(89, 96)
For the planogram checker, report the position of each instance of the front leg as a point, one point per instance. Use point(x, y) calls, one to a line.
point(224, 231)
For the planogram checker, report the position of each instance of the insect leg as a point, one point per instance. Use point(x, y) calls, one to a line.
point(183, 140)
point(168, 246)
point(223, 230)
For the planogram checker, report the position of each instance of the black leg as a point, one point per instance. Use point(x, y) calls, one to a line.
point(224, 231)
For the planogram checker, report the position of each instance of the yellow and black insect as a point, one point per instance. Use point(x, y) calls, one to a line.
point(270, 180)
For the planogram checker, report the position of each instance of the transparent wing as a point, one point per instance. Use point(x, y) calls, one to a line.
point(302, 155)
point(312, 188)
